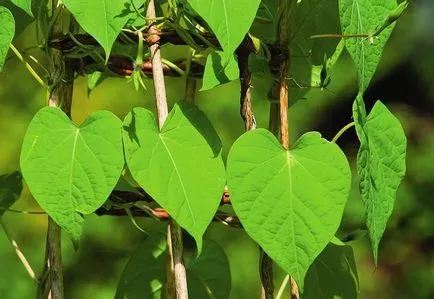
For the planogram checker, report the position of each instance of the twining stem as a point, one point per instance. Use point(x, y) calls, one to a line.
point(28, 66)
point(282, 287)
point(23, 212)
point(19, 253)
point(342, 131)
point(332, 35)
point(190, 82)
point(61, 76)
point(283, 71)
point(175, 232)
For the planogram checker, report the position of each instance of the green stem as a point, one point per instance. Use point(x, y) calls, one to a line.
point(173, 66)
point(283, 286)
point(342, 131)
point(28, 66)
point(23, 212)
point(18, 251)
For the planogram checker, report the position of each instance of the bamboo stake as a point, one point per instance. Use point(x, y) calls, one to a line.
point(175, 231)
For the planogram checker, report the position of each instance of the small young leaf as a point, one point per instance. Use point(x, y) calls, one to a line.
point(381, 167)
point(25, 5)
point(72, 170)
point(359, 17)
point(7, 31)
point(216, 73)
point(290, 202)
point(10, 189)
point(103, 19)
point(333, 274)
point(169, 164)
point(137, 282)
point(94, 79)
point(229, 20)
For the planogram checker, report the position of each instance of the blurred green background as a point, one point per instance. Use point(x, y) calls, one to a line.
point(404, 81)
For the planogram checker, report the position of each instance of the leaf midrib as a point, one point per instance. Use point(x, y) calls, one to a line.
point(179, 177)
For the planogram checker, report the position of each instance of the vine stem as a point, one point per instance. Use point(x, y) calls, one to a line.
point(27, 65)
point(283, 286)
point(60, 95)
point(342, 131)
point(19, 253)
point(174, 235)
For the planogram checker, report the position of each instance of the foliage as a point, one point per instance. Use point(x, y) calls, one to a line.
point(289, 201)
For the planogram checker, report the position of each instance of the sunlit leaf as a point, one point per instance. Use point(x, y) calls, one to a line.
point(381, 167)
point(290, 202)
point(72, 170)
point(169, 164)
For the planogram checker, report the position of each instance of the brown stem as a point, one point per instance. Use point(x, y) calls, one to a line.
point(266, 271)
point(175, 234)
point(61, 78)
point(243, 52)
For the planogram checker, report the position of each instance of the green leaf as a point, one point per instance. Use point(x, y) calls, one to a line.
point(363, 17)
point(229, 20)
point(7, 31)
point(103, 19)
point(216, 73)
point(72, 170)
point(290, 202)
point(180, 167)
point(145, 272)
point(381, 167)
point(203, 283)
point(10, 189)
point(333, 274)
point(25, 5)
point(144, 275)
point(94, 79)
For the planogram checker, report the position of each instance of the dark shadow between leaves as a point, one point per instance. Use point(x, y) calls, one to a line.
point(131, 129)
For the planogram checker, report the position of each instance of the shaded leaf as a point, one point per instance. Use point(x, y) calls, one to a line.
point(333, 274)
point(7, 31)
point(72, 170)
point(144, 275)
point(10, 189)
point(290, 202)
point(169, 164)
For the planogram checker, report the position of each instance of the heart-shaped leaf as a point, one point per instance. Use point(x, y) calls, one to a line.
point(7, 31)
point(144, 275)
point(290, 202)
point(72, 170)
point(103, 19)
point(180, 167)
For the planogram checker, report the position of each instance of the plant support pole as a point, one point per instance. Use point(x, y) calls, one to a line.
point(175, 231)
point(60, 95)
point(285, 65)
